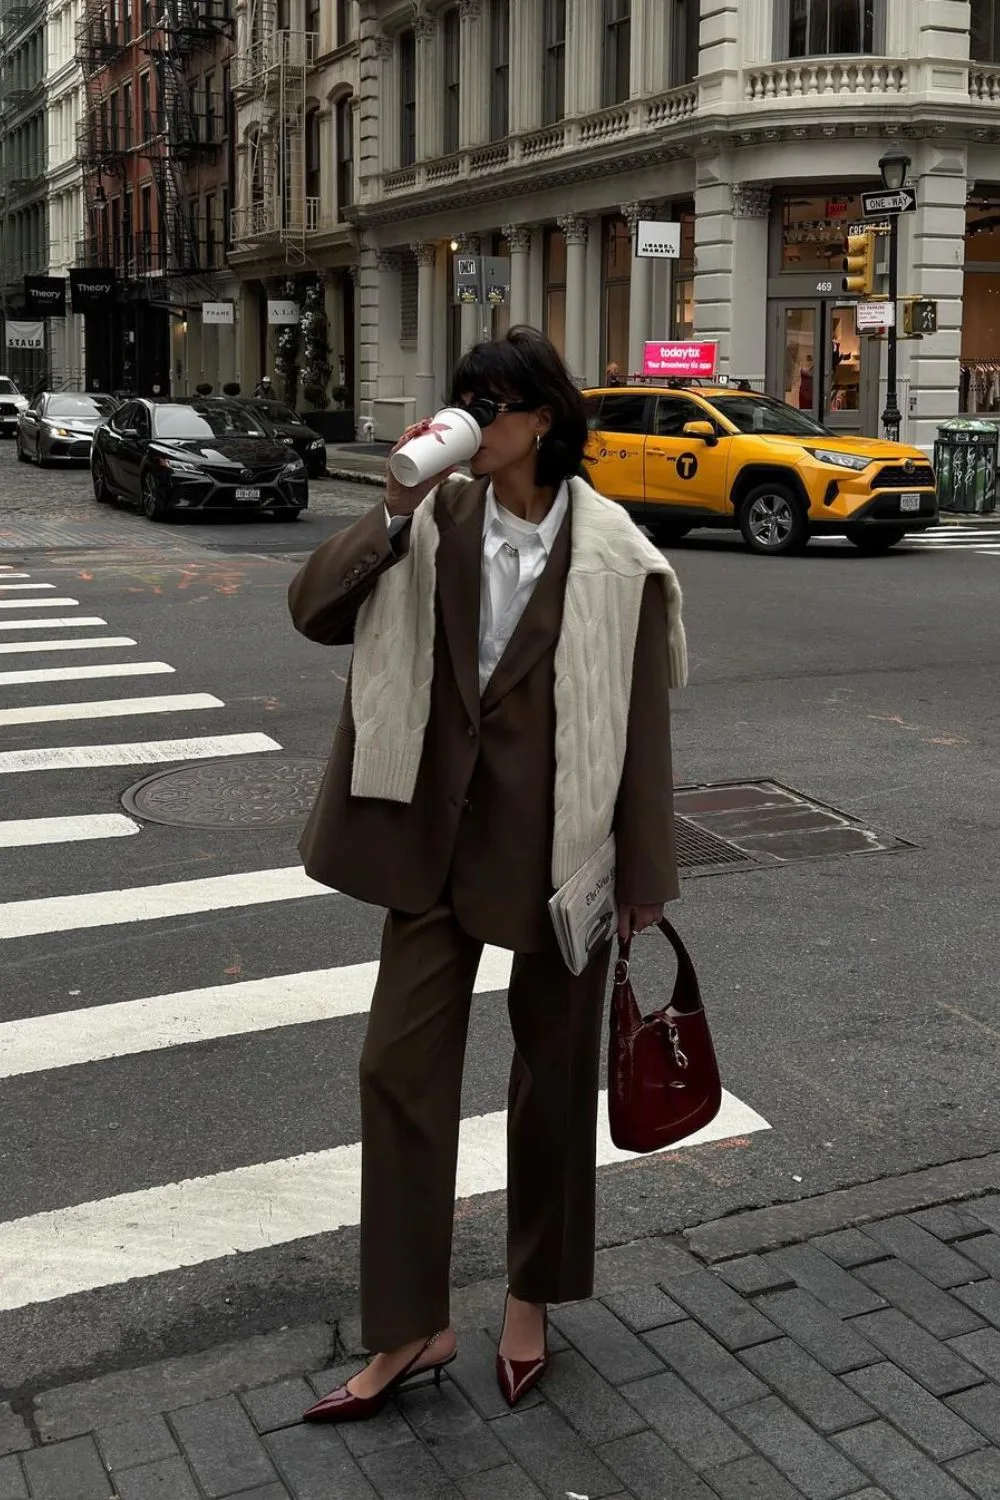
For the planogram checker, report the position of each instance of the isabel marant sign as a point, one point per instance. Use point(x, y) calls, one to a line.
point(217, 312)
point(26, 335)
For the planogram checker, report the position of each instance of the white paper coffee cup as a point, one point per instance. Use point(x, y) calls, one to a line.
point(453, 437)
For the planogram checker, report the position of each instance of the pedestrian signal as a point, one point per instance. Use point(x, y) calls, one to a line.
point(919, 316)
point(859, 264)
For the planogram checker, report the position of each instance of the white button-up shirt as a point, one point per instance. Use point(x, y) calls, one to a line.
point(515, 553)
point(514, 556)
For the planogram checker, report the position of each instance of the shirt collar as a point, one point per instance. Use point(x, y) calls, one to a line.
point(548, 529)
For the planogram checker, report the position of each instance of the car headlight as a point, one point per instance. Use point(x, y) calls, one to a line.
point(179, 465)
point(58, 431)
point(21, 402)
point(294, 466)
point(288, 441)
point(855, 461)
point(317, 443)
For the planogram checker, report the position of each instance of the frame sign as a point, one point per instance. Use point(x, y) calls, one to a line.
point(874, 316)
point(684, 358)
point(656, 241)
point(874, 205)
point(218, 312)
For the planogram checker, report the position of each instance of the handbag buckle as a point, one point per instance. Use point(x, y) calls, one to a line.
point(674, 1038)
point(621, 971)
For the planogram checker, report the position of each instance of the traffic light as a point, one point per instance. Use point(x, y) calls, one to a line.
point(859, 263)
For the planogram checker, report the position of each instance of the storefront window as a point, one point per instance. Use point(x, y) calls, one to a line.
point(813, 231)
point(843, 391)
point(555, 287)
point(682, 317)
point(980, 359)
point(616, 268)
point(800, 357)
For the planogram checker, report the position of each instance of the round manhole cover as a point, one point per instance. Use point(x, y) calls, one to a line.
point(258, 792)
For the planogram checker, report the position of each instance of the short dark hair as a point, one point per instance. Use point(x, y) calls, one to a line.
point(526, 366)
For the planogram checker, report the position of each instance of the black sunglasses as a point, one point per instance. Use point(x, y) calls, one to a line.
point(485, 410)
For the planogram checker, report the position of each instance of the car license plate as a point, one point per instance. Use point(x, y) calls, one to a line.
point(909, 502)
point(248, 495)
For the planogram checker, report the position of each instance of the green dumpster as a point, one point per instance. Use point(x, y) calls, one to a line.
point(965, 463)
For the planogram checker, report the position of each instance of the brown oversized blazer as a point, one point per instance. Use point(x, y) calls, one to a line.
point(478, 832)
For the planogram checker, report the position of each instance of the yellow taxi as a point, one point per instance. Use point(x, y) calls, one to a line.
point(686, 456)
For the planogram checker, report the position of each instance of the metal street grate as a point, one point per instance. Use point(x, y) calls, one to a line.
point(697, 849)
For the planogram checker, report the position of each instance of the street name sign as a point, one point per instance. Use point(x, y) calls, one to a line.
point(874, 205)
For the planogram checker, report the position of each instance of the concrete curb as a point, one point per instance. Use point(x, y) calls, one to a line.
point(356, 476)
point(759, 1229)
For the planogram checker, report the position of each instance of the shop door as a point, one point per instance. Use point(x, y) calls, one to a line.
point(821, 364)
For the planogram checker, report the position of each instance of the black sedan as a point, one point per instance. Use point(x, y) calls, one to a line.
point(59, 426)
point(290, 428)
point(201, 455)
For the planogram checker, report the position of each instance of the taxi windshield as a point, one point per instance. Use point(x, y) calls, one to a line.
point(763, 414)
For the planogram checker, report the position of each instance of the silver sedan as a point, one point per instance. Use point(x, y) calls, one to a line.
point(58, 426)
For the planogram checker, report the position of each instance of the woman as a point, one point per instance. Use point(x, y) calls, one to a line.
point(490, 741)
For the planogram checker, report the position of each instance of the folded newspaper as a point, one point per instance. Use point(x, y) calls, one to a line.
point(584, 910)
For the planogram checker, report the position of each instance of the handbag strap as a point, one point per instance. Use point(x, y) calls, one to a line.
point(687, 991)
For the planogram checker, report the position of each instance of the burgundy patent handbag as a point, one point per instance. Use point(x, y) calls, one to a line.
point(663, 1079)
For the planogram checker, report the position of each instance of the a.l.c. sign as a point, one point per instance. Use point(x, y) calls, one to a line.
point(680, 358)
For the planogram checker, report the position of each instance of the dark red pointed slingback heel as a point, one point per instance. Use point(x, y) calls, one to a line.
point(341, 1405)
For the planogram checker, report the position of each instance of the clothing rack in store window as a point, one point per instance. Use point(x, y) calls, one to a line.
point(979, 385)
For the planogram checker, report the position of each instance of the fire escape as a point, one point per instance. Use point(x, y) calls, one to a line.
point(270, 75)
point(186, 134)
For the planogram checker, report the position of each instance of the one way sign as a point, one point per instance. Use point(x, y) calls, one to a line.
point(874, 205)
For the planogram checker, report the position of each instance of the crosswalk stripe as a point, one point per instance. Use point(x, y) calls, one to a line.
point(139, 753)
point(38, 603)
point(87, 643)
point(80, 674)
point(155, 1230)
point(109, 708)
point(69, 623)
point(150, 903)
point(19, 833)
point(126, 1027)
point(6, 571)
point(7, 587)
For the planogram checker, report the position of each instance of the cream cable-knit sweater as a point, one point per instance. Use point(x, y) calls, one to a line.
point(610, 559)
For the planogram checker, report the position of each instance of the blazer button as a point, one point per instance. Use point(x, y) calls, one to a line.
point(472, 731)
point(372, 558)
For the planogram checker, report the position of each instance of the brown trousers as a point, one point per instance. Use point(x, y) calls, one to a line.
point(411, 1092)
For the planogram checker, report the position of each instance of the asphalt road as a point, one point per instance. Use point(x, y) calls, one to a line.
point(852, 999)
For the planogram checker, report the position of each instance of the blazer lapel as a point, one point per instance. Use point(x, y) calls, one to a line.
point(538, 628)
point(459, 570)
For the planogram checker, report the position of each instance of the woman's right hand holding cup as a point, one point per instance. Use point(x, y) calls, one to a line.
point(401, 499)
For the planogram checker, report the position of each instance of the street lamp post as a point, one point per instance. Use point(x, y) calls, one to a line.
point(893, 166)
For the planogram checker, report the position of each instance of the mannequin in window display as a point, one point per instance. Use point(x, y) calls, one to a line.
point(806, 384)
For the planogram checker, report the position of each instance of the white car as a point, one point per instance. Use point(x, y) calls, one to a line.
point(12, 404)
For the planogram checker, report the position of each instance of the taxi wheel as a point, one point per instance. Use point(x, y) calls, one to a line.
point(772, 520)
point(872, 541)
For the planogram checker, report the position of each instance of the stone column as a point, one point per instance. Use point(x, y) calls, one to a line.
point(584, 36)
point(430, 82)
point(931, 257)
point(731, 221)
point(474, 93)
point(751, 208)
point(372, 314)
point(640, 297)
point(425, 254)
point(526, 67)
point(518, 239)
point(574, 228)
point(471, 315)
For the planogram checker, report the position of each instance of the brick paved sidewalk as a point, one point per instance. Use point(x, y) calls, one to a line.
point(860, 1362)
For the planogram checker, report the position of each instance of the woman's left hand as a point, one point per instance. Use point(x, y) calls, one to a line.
point(636, 919)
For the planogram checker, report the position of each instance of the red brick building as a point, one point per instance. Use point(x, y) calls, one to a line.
point(151, 124)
